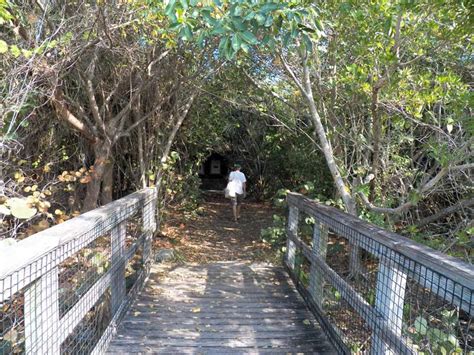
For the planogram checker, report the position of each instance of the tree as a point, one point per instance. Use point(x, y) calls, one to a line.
point(367, 52)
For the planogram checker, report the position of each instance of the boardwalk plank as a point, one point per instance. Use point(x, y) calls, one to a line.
point(221, 308)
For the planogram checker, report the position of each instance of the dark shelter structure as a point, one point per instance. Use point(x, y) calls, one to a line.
point(214, 172)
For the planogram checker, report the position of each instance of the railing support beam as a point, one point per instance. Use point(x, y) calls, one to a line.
point(389, 300)
point(292, 232)
point(118, 289)
point(42, 315)
point(316, 279)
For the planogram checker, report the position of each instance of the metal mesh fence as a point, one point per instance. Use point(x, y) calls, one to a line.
point(12, 325)
point(397, 297)
point(63, 290)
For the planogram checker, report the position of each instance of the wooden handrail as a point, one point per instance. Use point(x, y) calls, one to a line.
point(399, 260)
point(31, 266)
point(449, 266)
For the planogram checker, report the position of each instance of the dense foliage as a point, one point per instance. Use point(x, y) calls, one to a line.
point(365, 105)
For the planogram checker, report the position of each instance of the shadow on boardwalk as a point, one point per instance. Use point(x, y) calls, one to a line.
point(220, 308)
point(212, 306)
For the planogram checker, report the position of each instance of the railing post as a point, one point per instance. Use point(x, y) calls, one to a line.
point(292, 232)
point(316, 279)
point(42, 315)
point(118, 288)
point(149, 226)
point(389, 299)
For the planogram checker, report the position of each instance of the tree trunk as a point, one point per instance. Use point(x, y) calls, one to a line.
point(326, 147)
point(107, 183)
point(376, 135)
point(102, 152)
point(342, 188)
point(141, 155)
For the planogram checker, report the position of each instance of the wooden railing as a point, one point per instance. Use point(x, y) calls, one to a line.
point(407, 298)
point(65, 288)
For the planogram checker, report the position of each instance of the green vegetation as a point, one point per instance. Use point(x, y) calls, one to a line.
point(366, 106)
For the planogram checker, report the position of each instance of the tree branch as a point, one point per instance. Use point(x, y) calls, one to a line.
point(94, 107)
point(293, 76)
point(135, 125)
point(445, 212)
point(157, 60)
point(69, 117)
point(421, 191)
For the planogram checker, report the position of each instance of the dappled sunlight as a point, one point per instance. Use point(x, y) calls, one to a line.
point(238, 306)
point(214, 236)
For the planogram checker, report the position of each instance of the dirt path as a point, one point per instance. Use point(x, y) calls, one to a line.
point(214, 236)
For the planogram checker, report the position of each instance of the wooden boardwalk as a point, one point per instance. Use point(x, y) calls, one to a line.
point(220, 308)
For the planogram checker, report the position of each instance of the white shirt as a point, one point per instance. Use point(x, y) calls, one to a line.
point(236, 182)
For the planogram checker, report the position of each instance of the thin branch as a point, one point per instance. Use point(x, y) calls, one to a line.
point(445, 212)
point(396, 45)
point(273, 93)
point(421, 191)
point(293, 75)
point(157, 60)
point(94, 107)
point(69, 117)
point(136, 124)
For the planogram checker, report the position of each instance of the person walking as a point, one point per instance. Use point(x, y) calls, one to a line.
point(237, 190)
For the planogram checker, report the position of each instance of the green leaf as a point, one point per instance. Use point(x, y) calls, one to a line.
point(222, 45)
point(175, 26)
point(453, 340)
point(308, 43)
point(249, 37)
point(228, 51)
point(318, 24)
point(237, 11)
point(218, 30)
point(250, 16)
point(236, 42)
point(184, 4)
point(170, 7)
point(286, 39)
point(200, 39)
point(269, 21)
point(270, 7)
point(15, 51)
point(208, 18)
point(26, 53)
point(260, 19)
point(3, 47)
point(421, 325)
point(239, 25)
point(186, 33)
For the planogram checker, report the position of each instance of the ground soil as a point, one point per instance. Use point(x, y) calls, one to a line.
point(212, 235)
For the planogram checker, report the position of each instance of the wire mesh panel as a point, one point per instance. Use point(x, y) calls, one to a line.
point(79, 272)
point(12, 324)
point(134, 244)
point(91, 328)
point(64, 289)
point(402, 298)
